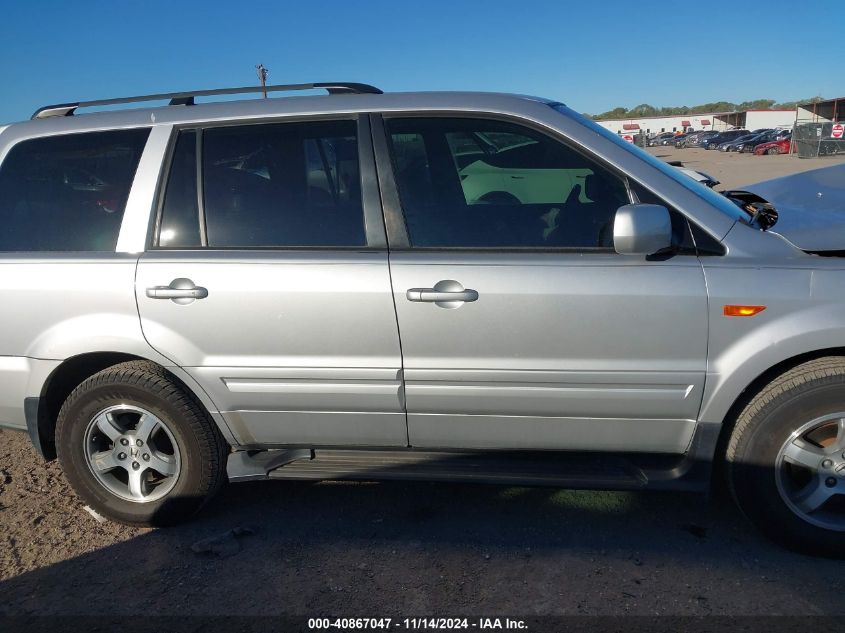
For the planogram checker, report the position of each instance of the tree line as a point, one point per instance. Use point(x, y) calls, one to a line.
point(645, 109)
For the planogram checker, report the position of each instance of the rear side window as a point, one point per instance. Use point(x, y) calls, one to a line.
point(68, 193)
point(467, 183)
point(282, 185)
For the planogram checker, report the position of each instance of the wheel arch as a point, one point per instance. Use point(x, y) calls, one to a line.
point(43, 410)
point(754, 387)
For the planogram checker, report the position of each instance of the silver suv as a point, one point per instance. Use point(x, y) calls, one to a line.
point(445, 286)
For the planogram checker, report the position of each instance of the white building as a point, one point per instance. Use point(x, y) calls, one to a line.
point(756, 119)
point(657, 124)
point(747, 119)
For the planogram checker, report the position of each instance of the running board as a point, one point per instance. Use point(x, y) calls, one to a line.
point(526, 469)
point(253, 465)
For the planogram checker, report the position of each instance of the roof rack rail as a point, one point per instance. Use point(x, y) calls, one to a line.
point(187, 98)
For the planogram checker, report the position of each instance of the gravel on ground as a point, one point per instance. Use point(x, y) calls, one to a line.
point(396, 548)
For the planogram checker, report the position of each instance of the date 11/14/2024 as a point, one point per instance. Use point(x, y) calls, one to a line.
point(416, 624)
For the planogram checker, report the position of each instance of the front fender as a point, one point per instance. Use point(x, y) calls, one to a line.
point(805, 314)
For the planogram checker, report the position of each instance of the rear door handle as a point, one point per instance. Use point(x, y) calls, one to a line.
point(430, 295)
point(181, 291)
point(446, 294)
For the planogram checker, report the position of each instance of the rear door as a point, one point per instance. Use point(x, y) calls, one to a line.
point(268, 281)
point(521, 327)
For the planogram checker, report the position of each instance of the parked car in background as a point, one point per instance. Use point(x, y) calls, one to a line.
point(774, 147)
point(678, 140)
point(697, 138)
point(749, 142)
point(714, 141)
point(730, 146)
point(774, 135)
point(692, 137)
point(658, 138)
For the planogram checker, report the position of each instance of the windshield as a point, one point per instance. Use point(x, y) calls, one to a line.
point(717, 200)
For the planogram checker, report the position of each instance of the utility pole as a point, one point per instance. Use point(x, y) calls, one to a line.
point(262, 77)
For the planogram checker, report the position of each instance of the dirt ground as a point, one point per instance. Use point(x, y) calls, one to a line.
point(408, 548)
point(734, 170)
point(398, 548)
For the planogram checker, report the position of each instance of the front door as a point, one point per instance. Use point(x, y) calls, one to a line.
point(269, 283)
point(521, 327)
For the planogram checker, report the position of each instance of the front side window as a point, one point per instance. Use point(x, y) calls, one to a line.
point(282, 185)
point(69, 192)
point(467, 183)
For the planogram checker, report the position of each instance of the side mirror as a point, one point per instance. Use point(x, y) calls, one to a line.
point(641, 229)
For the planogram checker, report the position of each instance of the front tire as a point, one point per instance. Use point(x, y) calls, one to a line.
point(785, 461)
point(137, 447)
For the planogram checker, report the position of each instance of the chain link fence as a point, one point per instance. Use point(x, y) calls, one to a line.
point(818, 139)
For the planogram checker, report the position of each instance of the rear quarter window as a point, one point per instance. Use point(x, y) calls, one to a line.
point(69, 192)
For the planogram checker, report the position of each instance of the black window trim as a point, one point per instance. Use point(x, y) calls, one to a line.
point(394, 216)
point(200, 173)
point(161, 188)
point(374, 231)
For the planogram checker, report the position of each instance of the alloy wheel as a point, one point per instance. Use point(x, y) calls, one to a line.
point(132, 453)
point(810, 472)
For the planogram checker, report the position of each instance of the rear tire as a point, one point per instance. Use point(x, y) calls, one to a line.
point(137, 447)
point(785, 461)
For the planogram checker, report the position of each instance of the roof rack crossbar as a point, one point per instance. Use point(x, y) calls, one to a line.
point(187, 98)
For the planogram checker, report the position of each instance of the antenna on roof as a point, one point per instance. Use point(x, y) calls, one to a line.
point(262, 77)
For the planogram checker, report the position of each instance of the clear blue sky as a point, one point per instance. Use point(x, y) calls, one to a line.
point(591, 55)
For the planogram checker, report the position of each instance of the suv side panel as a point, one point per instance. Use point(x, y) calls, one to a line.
point(295, 348)
point(20, 378)
point(569, 345)
point(296, 343)
point(62, 200)
point(73, 303)
point(556, 353)
point(804, 303)
point(61, 304)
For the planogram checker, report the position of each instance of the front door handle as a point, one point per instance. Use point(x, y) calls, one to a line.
point(446, 294)
point(181, 291)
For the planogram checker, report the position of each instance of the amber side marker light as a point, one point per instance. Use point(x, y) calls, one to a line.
point(746, 311)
